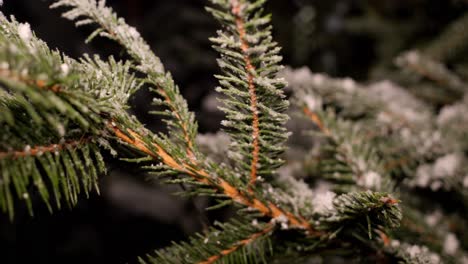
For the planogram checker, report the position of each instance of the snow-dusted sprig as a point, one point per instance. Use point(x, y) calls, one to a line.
point(181, 121)
point(54, 118)
point(352, 100)
point(175, 158)
point(416, 63)
point(233, 242)
point(223, 182)
point(349, 156)
point(254, 104)
point(422, 136)
point(86, 12)
point(362, 217)
point(377, 209)
point(441, 232)
point(391, 116)
point(88, 86)
point(423, 131)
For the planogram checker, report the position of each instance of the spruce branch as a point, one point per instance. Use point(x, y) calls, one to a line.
point(394, 121)
point(233, 242)
point(254, 103)
point(61, 113)
point(184, 121)
point(53, 130)
point(240, 27)
point(111, 26)
point(196, 171)
point(415, 62)
point(350, 148)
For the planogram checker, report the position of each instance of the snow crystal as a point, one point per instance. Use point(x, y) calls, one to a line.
point(282, 220)
point(323, 202)
point(370, 179)
point(24, 32)
point(349, 85)
point(447, 165)
point(313, 103)
point(133, 32)
point(284, 226)
point(451, 244)
point(65, 69)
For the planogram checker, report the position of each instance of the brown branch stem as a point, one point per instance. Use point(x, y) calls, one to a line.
point(41, 84)
point(239, 244)
point(188, 140)
point(39, 150)
point(250, 68)
point(267, 209)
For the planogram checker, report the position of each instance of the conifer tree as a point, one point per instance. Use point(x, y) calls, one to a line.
point(374, 146)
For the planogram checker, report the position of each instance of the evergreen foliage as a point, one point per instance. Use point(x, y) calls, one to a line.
point(374, 146)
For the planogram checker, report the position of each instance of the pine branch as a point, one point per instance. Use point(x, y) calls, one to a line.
point(156, 150)
point(242, 243)
point(414, 62)
point(351, 149)
point(54, 123)
point(254, 104)
point(313, 91)
point(86, 12)
point(386, 114)
point(64, 169)
point(249, 68)
point(234, 242)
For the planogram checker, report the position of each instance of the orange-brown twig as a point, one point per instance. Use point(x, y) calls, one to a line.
point(188, 140)
point(267, 209)
point(250, 68)
point(385, 239)
point(39, 150)
point(41, 84)
point(315, 118)
point(239, 244)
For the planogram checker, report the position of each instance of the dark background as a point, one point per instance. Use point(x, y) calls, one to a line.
point(133, 215)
